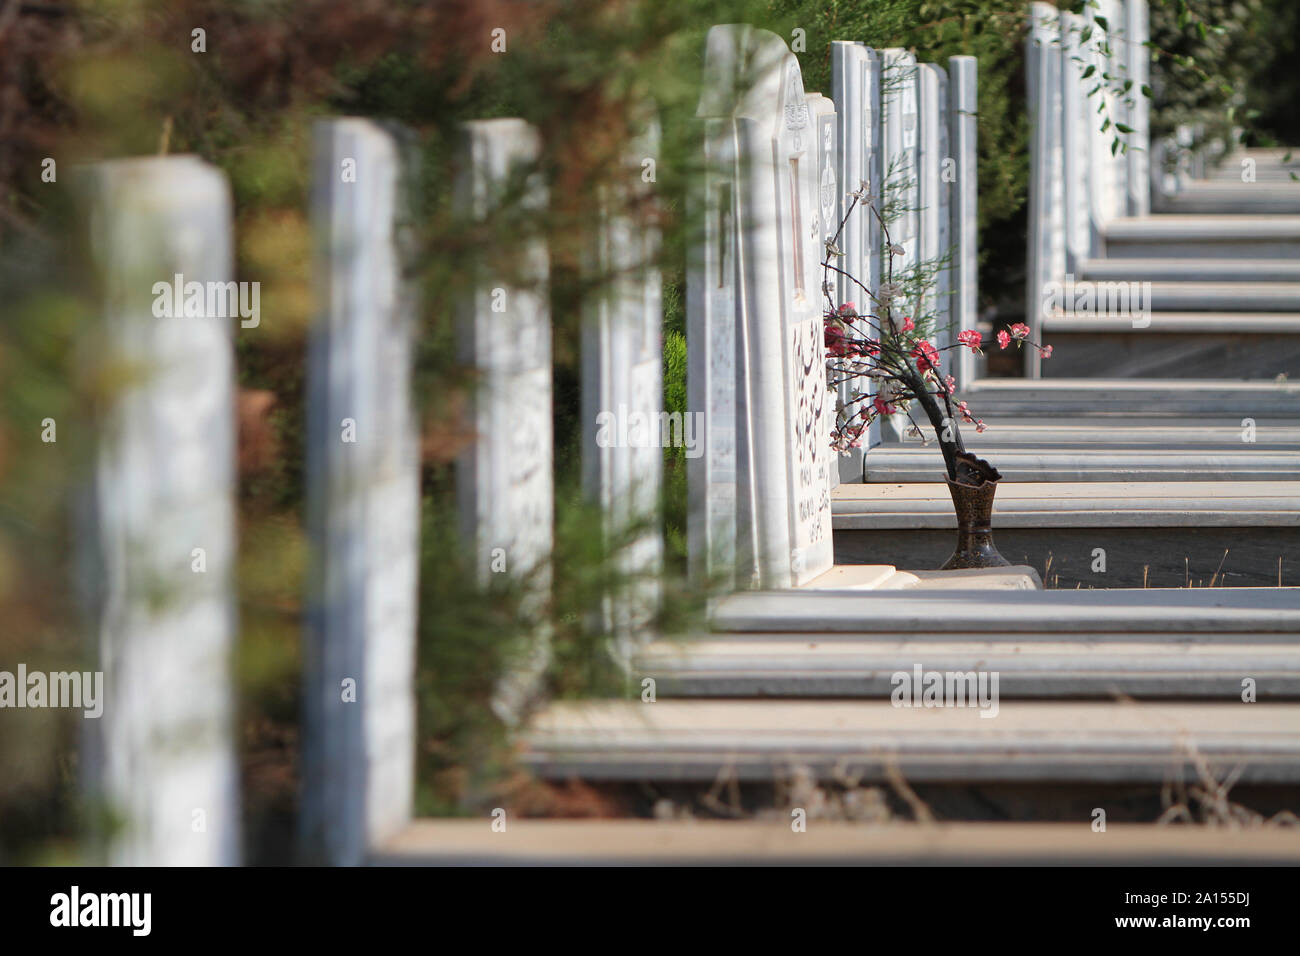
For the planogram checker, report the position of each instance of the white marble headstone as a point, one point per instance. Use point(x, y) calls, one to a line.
point(935, 238)
point(719, 503)
point(1081, 232)
point(964, 212)
point(162, 756)
point(363, 510)
point(829, 206)
point(900, 191)
point(504, 479)
point(788, 402)
point(1117, 66)
point(783, 408)
point(1138, 61)
point(1110, 169)
point(622, 396)
point(901, 155)
point(855, 89)
point(1046, 178)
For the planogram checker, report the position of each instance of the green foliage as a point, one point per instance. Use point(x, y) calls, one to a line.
point(1222, 64)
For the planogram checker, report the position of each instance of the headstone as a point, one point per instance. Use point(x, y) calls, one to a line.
point(1138, 59)
point(829, 205)
point(1046, 177)
point(1081, 231)
point(784, 411)
point(363, 499)
point(900, 201)
point(624, 424)
point(1109, 167)
point(161, 756)
point(781, 277)
point(935, 233)
point(964, 103)
point(504, 478)
point(855, 89)
point(901, 136)
point(1117, 66)
point(716, 480)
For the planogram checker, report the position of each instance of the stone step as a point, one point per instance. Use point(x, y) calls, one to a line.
point(1040, 665)
point(1209, 237)
point(1255, 611)
point(1027, 741)
point(1166, 326)
point(704, 842)
point(1187, 296)
point(1153, 534)
point(1243, 346)
point(1271, 194)
point(1272, 163)
point(1128, 400)
point(1207, 433)
point(1081, 460)
point(1190, 270)
point(878, 577)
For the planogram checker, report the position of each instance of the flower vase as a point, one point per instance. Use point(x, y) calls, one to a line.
point(972, 499)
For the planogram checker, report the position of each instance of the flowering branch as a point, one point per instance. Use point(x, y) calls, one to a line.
point(891, 350)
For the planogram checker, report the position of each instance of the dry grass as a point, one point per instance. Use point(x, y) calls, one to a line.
point(1206, 801)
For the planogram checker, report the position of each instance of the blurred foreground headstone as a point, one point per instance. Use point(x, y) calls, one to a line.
point(363, 500)
point(162, 525)
point(504, 481)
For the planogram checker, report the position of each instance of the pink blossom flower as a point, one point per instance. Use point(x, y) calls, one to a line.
point(950, 384)
point(846, 308)
point(1003, 339)
point(980, 426)
point(882, 406)
point(837, 342)
point(908, 324)
point(970, 338)
point(1020, 331)
point(1047, 351)
point(926, 355)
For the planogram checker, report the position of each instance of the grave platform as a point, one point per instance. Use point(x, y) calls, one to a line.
point(1154, 642)
point(772, 842)
point(1095, 742)
point(1154, 534)
point(1203, 236)
point(1035, 665)
point(1240, 345)
point(1133, 401)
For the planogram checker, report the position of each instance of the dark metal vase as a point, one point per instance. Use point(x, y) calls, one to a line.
point(974, 507)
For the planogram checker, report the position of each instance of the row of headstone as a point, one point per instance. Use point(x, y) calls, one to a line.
point(779, 164)
point(163, 756)
point(160, 577)
point(908, 130)
point(1079, 180)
